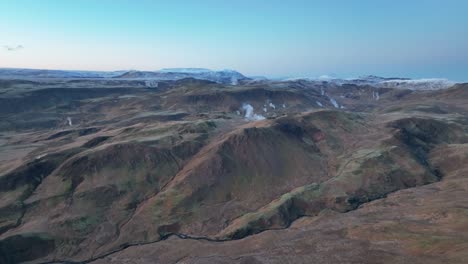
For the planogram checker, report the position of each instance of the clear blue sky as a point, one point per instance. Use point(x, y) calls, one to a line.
point(424, 38)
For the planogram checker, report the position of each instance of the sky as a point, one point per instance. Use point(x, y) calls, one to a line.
point(273, 38)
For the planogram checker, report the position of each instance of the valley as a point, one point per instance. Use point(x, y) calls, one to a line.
point(205, 167)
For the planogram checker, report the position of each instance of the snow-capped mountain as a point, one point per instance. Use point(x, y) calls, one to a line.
point(383, 82)
point(226, 77)
point(186, 70)
point(419, 84)
point(223, 76)
point(40, 73)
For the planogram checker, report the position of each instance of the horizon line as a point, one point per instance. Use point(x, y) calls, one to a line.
point(272, 77)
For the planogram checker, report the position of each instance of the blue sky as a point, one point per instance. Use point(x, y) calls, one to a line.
point(426, 38)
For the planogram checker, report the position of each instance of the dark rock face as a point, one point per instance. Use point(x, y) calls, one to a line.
point(22, 248)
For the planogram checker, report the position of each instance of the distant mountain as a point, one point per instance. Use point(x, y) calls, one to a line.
point(40, 73)
point(186, 70)
point(223, 76)
point(383, 82)
point(418, 84)
point(377, 79)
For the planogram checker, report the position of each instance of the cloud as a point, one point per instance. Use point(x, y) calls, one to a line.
point(13, 48)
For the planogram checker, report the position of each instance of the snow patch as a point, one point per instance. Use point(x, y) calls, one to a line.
point(319, 103)
point(419, 84)
point(272, 105)
point(382, 82)
point(151, 83)
point(69, 121)
point(326, 77)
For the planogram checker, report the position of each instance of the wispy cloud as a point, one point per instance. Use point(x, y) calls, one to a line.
point(13, 48)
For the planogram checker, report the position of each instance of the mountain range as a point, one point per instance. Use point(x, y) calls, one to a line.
point(222, 76)
point(201, 166)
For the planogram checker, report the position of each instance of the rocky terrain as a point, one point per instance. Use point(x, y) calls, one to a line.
point(215, 167)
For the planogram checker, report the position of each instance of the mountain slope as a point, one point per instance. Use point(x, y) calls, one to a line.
point(180, 172)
